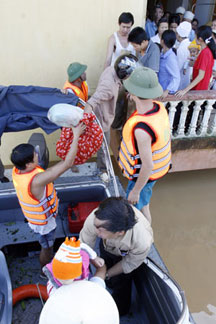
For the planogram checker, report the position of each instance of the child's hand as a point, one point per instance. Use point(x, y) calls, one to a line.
point(192, 61)
point(98, 262)
point(78, 130)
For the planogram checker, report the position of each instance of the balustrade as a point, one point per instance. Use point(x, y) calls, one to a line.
point(194, 115)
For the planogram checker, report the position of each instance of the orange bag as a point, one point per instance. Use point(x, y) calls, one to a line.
point(89, 142)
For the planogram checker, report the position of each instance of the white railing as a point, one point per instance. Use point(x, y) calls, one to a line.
point(194, 115)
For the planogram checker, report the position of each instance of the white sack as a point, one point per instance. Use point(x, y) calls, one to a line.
point(65, 115)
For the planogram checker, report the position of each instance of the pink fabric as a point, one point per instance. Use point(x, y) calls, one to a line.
point(85, 265)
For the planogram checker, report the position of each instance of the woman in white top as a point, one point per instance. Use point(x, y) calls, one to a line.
point(118, 42)
point(162, 26)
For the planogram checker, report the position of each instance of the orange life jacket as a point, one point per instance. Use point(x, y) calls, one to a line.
point(82, 94)
point(129, 159)
point(36, 212)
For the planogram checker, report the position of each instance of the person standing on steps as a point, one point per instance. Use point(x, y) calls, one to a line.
point(118, 43)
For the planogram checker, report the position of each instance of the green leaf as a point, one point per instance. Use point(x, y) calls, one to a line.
point(23, 305)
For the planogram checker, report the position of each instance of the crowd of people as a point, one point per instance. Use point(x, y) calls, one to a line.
point(142, 66)
point(187, 54)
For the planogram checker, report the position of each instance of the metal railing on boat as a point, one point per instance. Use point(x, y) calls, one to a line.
point(109, 166)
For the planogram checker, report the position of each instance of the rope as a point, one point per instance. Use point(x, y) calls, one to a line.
point(41, 299)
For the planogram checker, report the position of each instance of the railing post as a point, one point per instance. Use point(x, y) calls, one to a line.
point(205, 121)
point(213, 127)
point(172, 111)
point(181, 127)
point(192, 128)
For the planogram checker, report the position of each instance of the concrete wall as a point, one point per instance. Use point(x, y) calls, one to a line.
point(39, 39)
point(193, 153)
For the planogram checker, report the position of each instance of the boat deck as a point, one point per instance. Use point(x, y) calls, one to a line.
point(22, 258)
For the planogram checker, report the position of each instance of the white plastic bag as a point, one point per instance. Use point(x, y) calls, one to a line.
point(65, 115)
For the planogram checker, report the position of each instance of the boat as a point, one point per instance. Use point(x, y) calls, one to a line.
point(156, 296)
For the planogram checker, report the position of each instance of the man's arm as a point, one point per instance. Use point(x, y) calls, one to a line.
point(144, 147)
point(101, 272)
point(140, 245)
point(115, 270)
point(103, 92)
point(52, 173)
point(110, 49)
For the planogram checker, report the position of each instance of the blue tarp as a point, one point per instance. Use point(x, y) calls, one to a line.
point(26, 107)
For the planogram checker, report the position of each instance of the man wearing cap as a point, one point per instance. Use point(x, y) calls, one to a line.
point(145, 150)
point(189, 16)
point(76, 82)
point(180, 11)
point(182, 33)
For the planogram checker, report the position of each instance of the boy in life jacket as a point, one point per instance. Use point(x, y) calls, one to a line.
point(145, 150)
point(36, 193)
point(71, 263)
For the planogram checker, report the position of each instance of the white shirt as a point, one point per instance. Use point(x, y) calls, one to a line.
point(120, 49)
point(156, 39)
point(182, 55)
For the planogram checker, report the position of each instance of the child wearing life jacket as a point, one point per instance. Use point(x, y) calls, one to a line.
point(70, 263)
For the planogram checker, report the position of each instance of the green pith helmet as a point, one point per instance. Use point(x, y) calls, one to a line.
point(143, 83)
point(75, 70)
